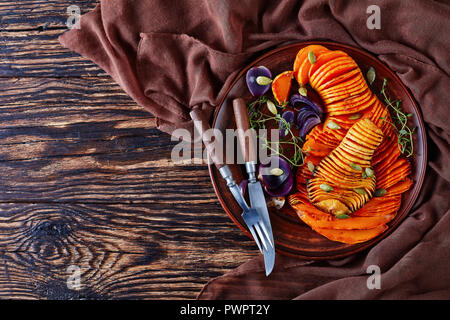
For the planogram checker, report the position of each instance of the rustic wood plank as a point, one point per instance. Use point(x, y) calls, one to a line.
point(29, 33)
point(65, 105)
point(39, 14)
point(71, 110)
point(85, 134)
point(41, 117)
point(87, 179)
point(70, 105)
point(123, 251)
point(39, 54)
point(59, 101)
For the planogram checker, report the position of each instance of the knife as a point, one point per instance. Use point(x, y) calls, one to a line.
point(250, 215)
point(247, 139)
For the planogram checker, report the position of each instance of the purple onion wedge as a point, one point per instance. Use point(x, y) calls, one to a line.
point(312, 100)
point(271, 180)
point(289, 117)
point(303, 115)
point(311, 111)
point(280, 183)
point(308, 125)
point(252, 74)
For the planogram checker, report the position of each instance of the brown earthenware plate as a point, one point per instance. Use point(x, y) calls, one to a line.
point(292, 236)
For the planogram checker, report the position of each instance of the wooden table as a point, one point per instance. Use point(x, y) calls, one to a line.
point(87, 184)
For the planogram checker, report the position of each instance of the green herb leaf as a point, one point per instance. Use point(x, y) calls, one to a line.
point(364, 175)
point(399, 123)
point(311, 166)
point(371, 75)
point(360, 191)
point(263, 81)
point(272, 108)
point(355, 166)
point(258, 121)
point(333, 125)
point(369, 172)
point(342, 216)
point(379, 192)
point(326, 187)
point(311, 57)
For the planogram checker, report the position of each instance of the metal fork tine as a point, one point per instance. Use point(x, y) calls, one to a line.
point(261, 235)
point(255, 238)
point(263, 227)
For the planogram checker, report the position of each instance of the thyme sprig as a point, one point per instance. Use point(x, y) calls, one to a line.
point(404, 132)
point(258, 121)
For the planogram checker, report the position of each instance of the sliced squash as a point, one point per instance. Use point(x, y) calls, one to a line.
point(364, 138)
point(352, 236)
point(302, 55)
point(341, 171)
point(281, 86)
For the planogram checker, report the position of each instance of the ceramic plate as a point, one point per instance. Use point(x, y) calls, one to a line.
point(292, 236)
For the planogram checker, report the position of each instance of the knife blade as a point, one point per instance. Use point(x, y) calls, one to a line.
point(247, 139)
point(249, 214)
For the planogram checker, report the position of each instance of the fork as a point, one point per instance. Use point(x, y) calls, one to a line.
point(251, 217)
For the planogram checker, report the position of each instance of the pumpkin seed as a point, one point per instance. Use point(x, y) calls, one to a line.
point(263, 81)
point(360, 191)
point(333, 125)
point(355, 166)
point(380, 192)
point(364, 175)
point(342, 216)
point(369, 172)
point(303, 91)
point(326, 187)
point(276, 172)
point(271, 107)
point(371, 75)
point(311, 57)
point(310, 166)
point(355, 116)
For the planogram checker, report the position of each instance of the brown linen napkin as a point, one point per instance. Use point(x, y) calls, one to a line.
point(171, 56)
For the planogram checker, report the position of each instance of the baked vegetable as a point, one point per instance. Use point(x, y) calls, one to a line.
point(352, 157)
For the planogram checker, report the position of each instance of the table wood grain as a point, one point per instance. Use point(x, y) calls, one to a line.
point(86, 180)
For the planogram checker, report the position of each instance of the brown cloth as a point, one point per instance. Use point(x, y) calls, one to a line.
point(172, 55)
